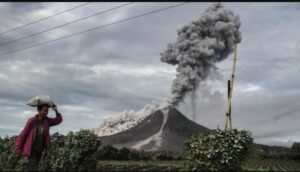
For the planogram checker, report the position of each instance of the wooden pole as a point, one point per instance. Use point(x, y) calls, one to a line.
point(228, 124)
point(229, 113)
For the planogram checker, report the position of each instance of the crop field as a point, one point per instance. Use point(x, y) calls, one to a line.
point(249, 165)
point(271, 165)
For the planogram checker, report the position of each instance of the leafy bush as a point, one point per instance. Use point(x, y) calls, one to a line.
point(219, 151)
point(77, 151)
point(10, 160)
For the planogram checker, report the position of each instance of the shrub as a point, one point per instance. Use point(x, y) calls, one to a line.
point(79, 151)
point(10, 160)
point(75, 152)
point(219, 151)
point(107, 152)
point(166, 155)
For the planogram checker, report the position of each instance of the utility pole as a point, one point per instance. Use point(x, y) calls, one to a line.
point(228, 123)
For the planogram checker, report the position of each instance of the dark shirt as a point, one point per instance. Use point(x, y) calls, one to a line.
point(38, 144)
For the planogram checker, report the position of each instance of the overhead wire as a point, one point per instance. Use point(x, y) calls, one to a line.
point(94, 28)
point(74, 21)
point(39, 20)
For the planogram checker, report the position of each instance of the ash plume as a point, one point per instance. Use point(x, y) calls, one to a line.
point(193, 103)
point(199, 45)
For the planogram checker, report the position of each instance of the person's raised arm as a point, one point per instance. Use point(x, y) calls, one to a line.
point(57, 120)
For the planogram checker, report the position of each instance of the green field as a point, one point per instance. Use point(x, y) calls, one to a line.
point(271, 165)
point(249, 165)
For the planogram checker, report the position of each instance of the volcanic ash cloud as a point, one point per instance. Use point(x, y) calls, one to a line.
point(199, 46)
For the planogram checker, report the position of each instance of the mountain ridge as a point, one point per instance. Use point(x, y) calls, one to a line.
point(161, 130)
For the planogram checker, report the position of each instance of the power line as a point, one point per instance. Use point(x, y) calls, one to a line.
point(98, 27)
point(19, 27)
point(74, 21)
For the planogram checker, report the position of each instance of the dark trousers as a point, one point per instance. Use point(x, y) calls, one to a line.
point(34, 160)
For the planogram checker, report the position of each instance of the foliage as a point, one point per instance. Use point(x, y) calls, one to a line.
point(75, 151)
point(140, 166)
point(219, 151)
point(255, 151)
point(108, 152)
point(295, 151)
point(83, 151)
point(296, 147)
point(259, 151)
point(9, 158)
point(166, 155)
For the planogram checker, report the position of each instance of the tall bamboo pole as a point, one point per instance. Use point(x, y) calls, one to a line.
point(229, 90)
point(229, 113)
point(228, 124)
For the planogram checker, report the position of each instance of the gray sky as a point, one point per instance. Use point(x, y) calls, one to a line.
point(102, 73)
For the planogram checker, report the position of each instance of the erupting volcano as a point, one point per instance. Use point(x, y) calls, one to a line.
point(198, 47)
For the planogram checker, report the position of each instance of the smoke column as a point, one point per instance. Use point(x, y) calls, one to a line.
point(199, 46)
point(193, 103)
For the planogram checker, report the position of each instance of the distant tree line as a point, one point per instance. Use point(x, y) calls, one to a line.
point(295, 151)
point(275, 152)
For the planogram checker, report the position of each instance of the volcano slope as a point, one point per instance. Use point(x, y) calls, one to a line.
point(162, 130)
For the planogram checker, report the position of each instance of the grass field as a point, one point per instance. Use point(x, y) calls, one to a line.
point(249, 165)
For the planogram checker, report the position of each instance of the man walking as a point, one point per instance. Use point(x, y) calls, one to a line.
point(35, 136)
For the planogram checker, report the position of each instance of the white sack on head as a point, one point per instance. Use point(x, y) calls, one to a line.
point(39, 100)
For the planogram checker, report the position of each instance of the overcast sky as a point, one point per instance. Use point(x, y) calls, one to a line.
point(104, 72)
